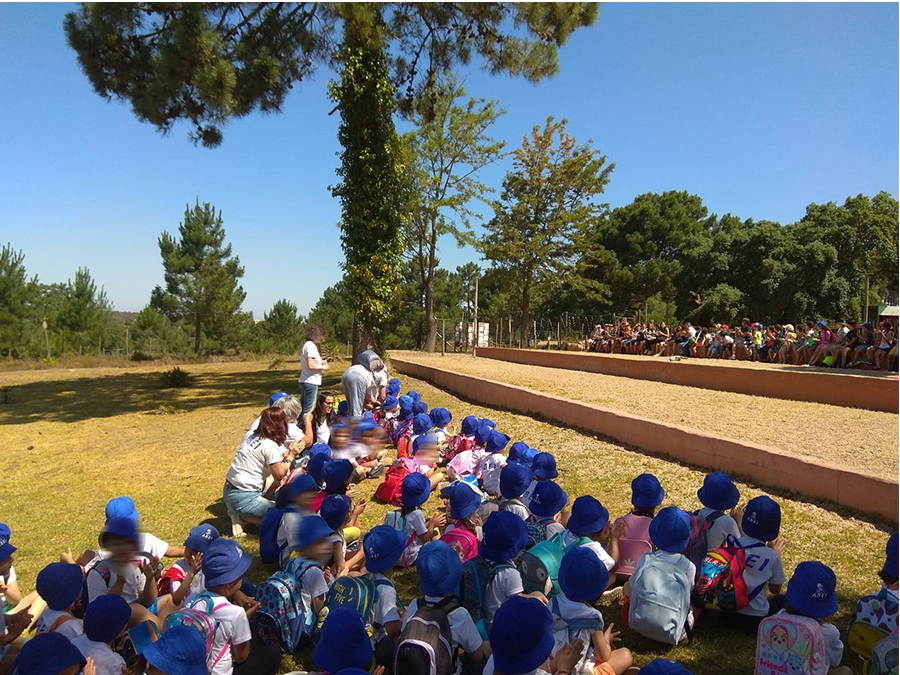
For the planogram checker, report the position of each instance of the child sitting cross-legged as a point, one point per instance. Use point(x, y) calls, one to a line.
point(186, 575)
point(646, 495)
point(383, 547)
point(590, 521)
point(105, 620)
point(583, 578)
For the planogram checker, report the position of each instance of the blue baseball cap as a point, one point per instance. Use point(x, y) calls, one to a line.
point(811, 590)
point(891, 556)
point(315, 467)
point(582, 575)
point(718, 492)
point(670, 530)
point(121, 527)
point(422, 440)
point(390, 402)
point(224, 562)
point(464, 501)
point(516, 449)
point(199, 539)
point(415, 490)
point(60, 584)
point(646, 492)
point(544, 466)
point(439, 569)
point(521, 634)
point(277, 396)
point(468, 426)
point(48, 654)
point(394, 382)
point(6, 549)
point(762, 519)
point(664, 667)
point(421, 424)
point(526, 457)
point(334, 510)
point(548, 499)
point(588, 516)
point(441, 417)
point(383, 546)
point(420, 407)
point(310, 529)
point(121, 507)
point(822, 324)
point(503, 536)
point(181, 650)
point(106, 617)
point(496, 442)
point(335, 473)
point(514, 480)
point(483, 432)
point(343, 642)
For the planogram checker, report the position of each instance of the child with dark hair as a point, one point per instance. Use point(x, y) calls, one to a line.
point(646, 495)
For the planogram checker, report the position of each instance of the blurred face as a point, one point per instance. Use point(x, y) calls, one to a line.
point(340, 439)
point(319, 551)
point(122, 549)
point(428, 454)
point(305, 500)
point(5, 566)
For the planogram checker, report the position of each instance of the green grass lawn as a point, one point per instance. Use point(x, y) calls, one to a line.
point(75, 439)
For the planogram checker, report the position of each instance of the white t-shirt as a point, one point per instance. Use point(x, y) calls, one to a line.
point(6, 581)
point(198, 583)
point(515, 507)
point(323, 431)
point(568, 538)
point(763, 567)
point(250, 466)
point(569, 610)
point(295, 433)
point(718, 530)
point(310, 351)
point(312, 586)
point(147, 543)
point(415, 524)
point(489, 669)
point(232, 625)
point(463, 632)
point(386, 609)
point(506, 583)
point(490, 472)
point(526, 496)
point(380, 380)
point(287, 532)
point(105, 659)
point(134, 582)
point(71, 628)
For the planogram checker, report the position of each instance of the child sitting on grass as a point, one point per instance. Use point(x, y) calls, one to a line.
point(298, 495)
point(547, 503)
point(514, 480)
point(493, 463)
point(336, 511)
point(60, 585)
point(105, 620)
point(11, 625)
point(383, 547)
point(410, 519)
point(543, 467)
point(646, 495)
point(590, 520)
point(440, 420)
point(426, 451)
point(186, 575)
point(310, 566)
point(718, 495)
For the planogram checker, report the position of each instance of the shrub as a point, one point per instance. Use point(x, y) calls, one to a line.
point(330, 350)
point(176, 378)
point(278, 363)
point(138, 355)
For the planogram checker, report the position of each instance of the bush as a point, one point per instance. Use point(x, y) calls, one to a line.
point(138, 355)
point(330, 350)
point(278, 363)
point(176, 378)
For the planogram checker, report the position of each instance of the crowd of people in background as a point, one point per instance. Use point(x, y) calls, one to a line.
point(845, 344)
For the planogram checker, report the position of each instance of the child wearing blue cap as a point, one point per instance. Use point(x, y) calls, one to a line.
point(51, 654)
point(646, 495)
point(314, 549)
point(493, 462)
point(410, 519)
point(343, 642)
point(543, 468)
point(185, 576)
point(588, 526)
point(341, 516)
point(105, 620)
point(181, 650)
point(14, 624)
point(547, 503)
point(383, 547)
point(440, 570)
point(514, 480)
point(464, 440)
point(299, 496)
point(583, 578)
point(224, 565)
point(440, 419)
point(504, 537)
point(719, 496)
point(124, 507)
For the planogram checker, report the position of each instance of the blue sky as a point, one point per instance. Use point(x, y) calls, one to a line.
point(760, 109)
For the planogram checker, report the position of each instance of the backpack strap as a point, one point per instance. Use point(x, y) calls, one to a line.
point(60, 621)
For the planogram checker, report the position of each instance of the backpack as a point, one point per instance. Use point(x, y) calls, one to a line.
point(478, 573)
point(540, 564)
point(720, 584)
point(463, 465)
point(788, 643)
point(425, 645)
point(404, 431)
point(269, 550)
point(537, 530)
point(885, 657)
point(174, 573)
point(389, 489)
point(875, 619)
point(81, 602)
point(699, 545)
point(279, 620)
point(137, 639)
point(462, 541)
point(458, 444)
point(199, 613)
point(356, 593)
point(632, 547)
point(397, 520)
point(660, 600)
point(402, 428)
point(566, 631)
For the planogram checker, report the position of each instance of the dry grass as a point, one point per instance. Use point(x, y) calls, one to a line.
point(76, 439)
point(861, 439)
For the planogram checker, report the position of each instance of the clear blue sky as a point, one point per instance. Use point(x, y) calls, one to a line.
point(760, 109)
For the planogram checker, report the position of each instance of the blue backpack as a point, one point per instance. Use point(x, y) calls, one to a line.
point(478, 573)
point(279, 620)
point(269, 550)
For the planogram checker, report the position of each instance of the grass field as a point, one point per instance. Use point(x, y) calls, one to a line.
point(75, 439)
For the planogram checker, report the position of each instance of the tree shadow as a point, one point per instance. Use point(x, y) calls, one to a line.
point(75, 400)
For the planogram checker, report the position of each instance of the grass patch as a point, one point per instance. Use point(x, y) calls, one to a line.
point(75, 439)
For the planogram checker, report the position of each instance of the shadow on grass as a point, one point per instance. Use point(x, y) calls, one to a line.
point(75, 400)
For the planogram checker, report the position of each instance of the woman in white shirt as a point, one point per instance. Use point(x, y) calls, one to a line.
point(312, 365)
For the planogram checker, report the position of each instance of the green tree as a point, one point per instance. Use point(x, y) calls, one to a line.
point(17, 296)
point(284, 325)
point(545, 211)
point(201, 275)
point(447, 149)
point(84, 307)
point(151, 323)
point(334, 311)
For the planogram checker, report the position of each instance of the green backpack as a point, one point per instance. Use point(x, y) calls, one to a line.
point(540, 564)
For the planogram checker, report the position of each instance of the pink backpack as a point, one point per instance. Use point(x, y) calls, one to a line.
point(462, 541)
point(458, 444)
point(465, 464)
point(634, 543)
point(788, 643)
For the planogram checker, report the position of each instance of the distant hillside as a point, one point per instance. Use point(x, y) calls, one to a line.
point(119, 317)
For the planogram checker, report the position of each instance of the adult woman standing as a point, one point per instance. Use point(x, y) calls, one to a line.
point(311, 366)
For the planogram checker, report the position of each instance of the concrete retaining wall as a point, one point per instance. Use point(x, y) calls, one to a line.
point(851, 391)
point(765, 466)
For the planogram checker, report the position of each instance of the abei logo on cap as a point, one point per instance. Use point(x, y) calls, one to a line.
point(4, 541)
point(207, 535)
point(752, 518)
point(820, 593)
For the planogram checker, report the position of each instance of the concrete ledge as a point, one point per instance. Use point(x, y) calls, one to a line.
point(765, 466)
point(851, 391)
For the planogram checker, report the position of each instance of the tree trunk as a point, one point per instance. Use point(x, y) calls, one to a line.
point(526, 302)
point(197, 336)
point(430, 323)
point(80, 340)
point(355, 350)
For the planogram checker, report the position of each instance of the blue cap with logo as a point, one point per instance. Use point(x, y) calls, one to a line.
point(383, 546)
point(762, 518)
point(201, 536)
point(548, 499)
point(224, 562)
point(811, 590)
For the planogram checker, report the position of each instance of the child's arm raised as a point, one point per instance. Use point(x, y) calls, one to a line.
point(180, 593)
point(613, 551)
point(149, 592)
point(603, 641)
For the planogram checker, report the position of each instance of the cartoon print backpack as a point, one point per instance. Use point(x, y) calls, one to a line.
point(424, 646)
point(356, 593)
point(279, 620)
point(875, 619)
point(389, 489)
point(540, 564)
point(721, 582)
point(397, 520)
point(699, 545)
point(458, 444)
point(403, 432)
point(566, 631)
point(537, 530)
point(792, 644)
point(199, 613)
point(462, 541)
point(660, 599)
point(269, 550)
point(633, 543)
point(478, 573)
point(886, 657)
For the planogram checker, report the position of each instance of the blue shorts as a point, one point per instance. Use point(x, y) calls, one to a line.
point(247, 502)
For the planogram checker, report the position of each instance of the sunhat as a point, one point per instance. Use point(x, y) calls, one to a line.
point(582, 575)
point(670, 530)
point(646, 492)
point(588, 516)
point(383, 546)
point(504, 536)
point(811, 590)
point(224, 562)
point(718, 492)
point(439, 569)
point(548, 499)
point(762, 519)
point(521, 634)
point(415, 490)
point(544, 466)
